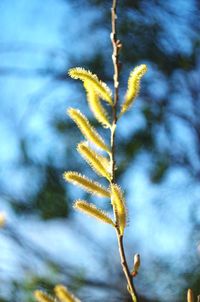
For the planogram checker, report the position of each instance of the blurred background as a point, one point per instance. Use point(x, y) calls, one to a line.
point(158, 152)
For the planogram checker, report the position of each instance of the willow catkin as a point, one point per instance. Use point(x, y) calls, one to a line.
point(91, 210)
point(64, 295)
point(43, 297)
point(2, 219)
point(190, 297)
point(87, 130)
point(97, 162)
point(118, 203)
point(133, 87)
point(96, 107)
point(88, 185)
point(100, 88)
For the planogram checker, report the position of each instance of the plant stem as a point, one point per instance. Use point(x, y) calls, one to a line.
point(129, 278)
point(115, 57)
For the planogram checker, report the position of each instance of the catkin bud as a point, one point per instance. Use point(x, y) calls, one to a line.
point(136, 265)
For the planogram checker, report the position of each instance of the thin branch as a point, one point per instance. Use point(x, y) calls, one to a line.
point(115, 57)
point(130, 285)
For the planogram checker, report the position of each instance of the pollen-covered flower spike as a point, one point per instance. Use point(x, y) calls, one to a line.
point(190, 297)
point(86, 76)
point(96, 107)
point(88, 185)
point(91, 210)
point(118, 203)
point(43, 297)
point(97, 162)
point(87, 130)
point(2, 219)
point(64, 295)
point(133, 87)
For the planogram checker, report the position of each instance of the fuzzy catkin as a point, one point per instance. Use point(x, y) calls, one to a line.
point(87, 184)
point(87, 130)
point(96, 107)
point(190, 297)
point(64, 295)
point(101, 88)
point(42, 296)
point(96, 161)
point(2, 219)
point(119, 207)
point(91, 210)
point(133, 86)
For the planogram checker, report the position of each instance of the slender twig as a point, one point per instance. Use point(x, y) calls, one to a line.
point(115, 57)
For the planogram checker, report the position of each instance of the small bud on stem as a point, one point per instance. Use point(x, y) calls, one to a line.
point(136, 265)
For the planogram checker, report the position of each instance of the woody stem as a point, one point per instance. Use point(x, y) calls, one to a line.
point(115, 58)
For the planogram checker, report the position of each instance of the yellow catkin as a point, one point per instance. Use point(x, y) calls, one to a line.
point(96, 161)
point(119, 207)
point(87, 130)
point(133, 86)
point(2, 219)
point(87, 184)
point(190, 297)
point(101, 88)
point(95, 105)
point(64, 295)
point(91, 210)
point(42, 296)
